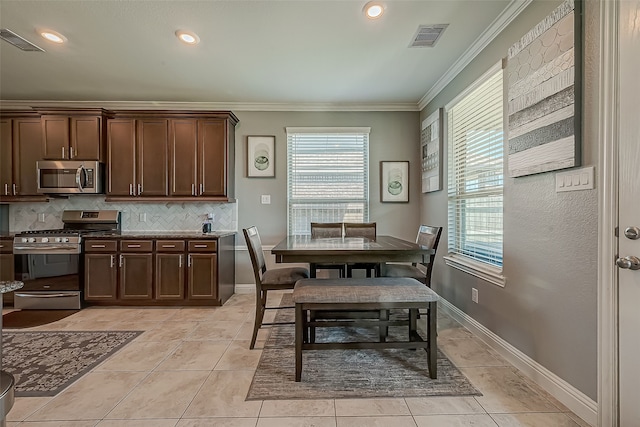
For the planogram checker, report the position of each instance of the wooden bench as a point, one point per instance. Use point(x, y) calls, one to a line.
point(315, 297)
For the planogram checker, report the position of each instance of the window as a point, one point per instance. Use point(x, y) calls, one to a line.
point(475, 184)
point(327, 176)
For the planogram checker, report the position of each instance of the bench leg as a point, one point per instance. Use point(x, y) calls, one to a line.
point(384, 328)
point(300, 327)
point(432, 333)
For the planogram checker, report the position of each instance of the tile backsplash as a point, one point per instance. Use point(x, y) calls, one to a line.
point(167, 216)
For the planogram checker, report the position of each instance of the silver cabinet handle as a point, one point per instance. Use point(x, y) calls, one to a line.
point(180, 261)
point(131, 189)
point(189, 261)
point(139, 189)
point(168, 246)
point(193, 189)
point(120, 260)
point(133, 246)
point(629, 263)
point(6, 189)
point(200, 246)
point(111, 260)
point(63, 152)
point(13, 186)
point(98, 246)
point(70, 152)
point(201, 189)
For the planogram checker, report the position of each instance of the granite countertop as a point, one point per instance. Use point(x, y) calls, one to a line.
point(165, 235)
point(9, 286)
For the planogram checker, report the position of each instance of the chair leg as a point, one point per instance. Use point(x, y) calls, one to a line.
point(261, 300)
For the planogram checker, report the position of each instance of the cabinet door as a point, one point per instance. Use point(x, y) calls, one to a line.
point(152, 157)
point(121, 157)
point(7, 273)
point(212, 163)
point(169, 277)
point(27, 150)
point(55, 137)
point(203, 276)
point(184, 149)
point(86, 138)
point(100, 278)
point(136, 276)
point(6, 151)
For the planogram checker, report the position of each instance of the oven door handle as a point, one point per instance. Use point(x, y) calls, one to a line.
point(79, 182)
point(22, 295)
point(43, 247)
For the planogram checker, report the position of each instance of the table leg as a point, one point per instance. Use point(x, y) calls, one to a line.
point(432, 334)
point(300, 326)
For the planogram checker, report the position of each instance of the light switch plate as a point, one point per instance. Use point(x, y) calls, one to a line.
point(265, 199)
point(142, 217)
point(576, 179)
point(41, 217)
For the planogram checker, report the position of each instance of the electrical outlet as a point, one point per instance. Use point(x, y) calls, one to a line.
point(142, 217)
point(474, 295)
point(40, 217)
point(265, 199)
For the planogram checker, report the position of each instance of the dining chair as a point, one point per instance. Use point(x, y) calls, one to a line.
point(268, 280)
point(327, 230)
point(366, 230)
point(427, 236)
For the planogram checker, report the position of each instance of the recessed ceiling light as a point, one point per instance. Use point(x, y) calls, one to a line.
point(188, 37)
point(52, 36)
point(373, 9)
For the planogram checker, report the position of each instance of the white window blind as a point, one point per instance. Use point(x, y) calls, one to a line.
point(475, 184)
point(328, 179)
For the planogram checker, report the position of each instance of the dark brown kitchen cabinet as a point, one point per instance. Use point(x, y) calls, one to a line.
point(20, 149)
point(136, 275)
point(6, 266)
point(202, 276)
point(169, 270)
point(73, 134)
point(199, 158)
point(137, 158)
point(195, 160)
point(100, 270)
point(100, 277)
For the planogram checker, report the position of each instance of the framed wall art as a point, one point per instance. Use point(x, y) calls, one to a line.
point(394, 182)
point(543, 91)
point(261, 156)
point(431, 138)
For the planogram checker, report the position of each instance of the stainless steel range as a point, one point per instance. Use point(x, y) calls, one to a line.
point(49, 261)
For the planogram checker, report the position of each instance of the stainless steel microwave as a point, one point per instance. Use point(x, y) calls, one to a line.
point(70, 177)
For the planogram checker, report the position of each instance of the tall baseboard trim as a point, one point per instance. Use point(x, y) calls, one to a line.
point(568, 395)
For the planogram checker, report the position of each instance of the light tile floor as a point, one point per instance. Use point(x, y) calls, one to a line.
point(192, 368)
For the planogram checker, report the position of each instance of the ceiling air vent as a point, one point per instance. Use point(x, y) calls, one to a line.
point(19, 42)
point(427, 35)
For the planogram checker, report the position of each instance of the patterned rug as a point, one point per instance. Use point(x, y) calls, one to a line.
point(44, 363)
point(333, 374)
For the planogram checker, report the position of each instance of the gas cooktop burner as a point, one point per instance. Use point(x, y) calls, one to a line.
point(49, 232)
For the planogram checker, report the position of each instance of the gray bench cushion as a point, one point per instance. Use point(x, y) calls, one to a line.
point(284, 275)
point(369, 290)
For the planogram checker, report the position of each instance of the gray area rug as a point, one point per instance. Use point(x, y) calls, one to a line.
point(334, 374)
point(44, 363)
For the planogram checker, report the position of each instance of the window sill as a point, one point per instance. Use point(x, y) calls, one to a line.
point(475, 268)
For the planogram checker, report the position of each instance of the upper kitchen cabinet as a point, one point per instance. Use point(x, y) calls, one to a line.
point(199, 149)
point(20, 149)
point(73, 134)
point(137, 157)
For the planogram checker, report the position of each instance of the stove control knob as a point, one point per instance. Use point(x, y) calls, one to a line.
point(24, 240)
point(57, 240)
point(45, 240)
point(31, 239)
point(64, 239)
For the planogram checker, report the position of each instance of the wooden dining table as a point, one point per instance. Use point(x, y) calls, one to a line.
point(304, 249)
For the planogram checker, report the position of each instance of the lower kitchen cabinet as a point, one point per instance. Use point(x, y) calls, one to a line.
point(159, 272)
point(6, 267)
point(100, 277)
point(136, 276)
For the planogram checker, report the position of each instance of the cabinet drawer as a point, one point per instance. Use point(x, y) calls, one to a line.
point(6, 246)
point(136, 246)
point(170, 245)
point(100, 246)
point(203, 245)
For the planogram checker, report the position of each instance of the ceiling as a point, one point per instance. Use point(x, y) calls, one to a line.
point(262, 52)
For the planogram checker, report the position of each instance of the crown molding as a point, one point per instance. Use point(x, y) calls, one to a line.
point(509, 13)
point(233, 106)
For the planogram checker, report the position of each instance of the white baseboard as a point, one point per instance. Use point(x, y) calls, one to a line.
point(568, 395)
point(245, 288)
